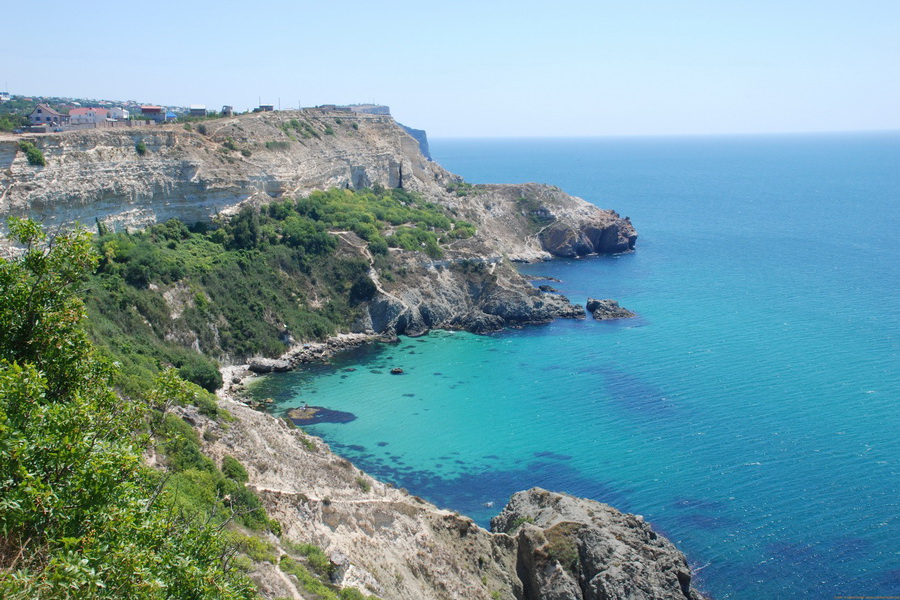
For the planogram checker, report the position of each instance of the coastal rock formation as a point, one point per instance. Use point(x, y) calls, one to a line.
point(475, 295)
point(397, 546)
point(580, 549)
point(268, 365)
point(97, 175)
point(607, 309)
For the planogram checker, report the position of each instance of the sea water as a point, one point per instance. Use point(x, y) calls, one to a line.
point(750, 411)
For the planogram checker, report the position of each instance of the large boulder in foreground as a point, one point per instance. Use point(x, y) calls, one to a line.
point(581, 549)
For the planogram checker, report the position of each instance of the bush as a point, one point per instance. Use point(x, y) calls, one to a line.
point(362, 290)
point(201, 128)
point(203, 372)
point(141, 148)
point(233, 469)
point(33, 154)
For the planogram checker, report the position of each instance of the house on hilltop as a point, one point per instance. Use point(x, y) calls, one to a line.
point(153, 113)
point(44, 115)
point(92, 115)
point(198, 110)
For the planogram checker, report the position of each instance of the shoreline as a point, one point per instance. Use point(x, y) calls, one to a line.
point(235, 378)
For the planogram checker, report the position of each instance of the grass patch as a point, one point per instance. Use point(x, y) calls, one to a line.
point(562, 546)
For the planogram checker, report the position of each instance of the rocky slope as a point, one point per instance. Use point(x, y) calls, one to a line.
point(397, 546)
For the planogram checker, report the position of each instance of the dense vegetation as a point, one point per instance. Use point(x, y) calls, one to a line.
point(80, 514)
point(241, 286)
point(12, 122)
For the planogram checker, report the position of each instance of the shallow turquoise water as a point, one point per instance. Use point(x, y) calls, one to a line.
point(750, 412)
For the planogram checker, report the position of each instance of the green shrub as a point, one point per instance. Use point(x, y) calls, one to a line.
point(202, 371)
point(33, 154)
point(317, 558)
point(141, 148)
point(233, 469)
point(562, 547)
point(201, 128)
point(254, 547)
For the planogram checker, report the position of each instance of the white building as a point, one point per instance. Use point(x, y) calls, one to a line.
point(80, 116)
point(118, 113)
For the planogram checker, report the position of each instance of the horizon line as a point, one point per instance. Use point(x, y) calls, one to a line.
point(659, 135)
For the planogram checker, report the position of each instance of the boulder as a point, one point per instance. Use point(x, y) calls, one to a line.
point(607, 309)
point(268, 365)
point(581, 549)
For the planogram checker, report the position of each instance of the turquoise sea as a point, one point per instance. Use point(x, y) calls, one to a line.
point(750, 412)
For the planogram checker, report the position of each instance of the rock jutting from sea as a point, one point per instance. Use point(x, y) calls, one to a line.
point(604, 310)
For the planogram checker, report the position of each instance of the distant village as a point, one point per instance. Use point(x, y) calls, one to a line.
point(42, 115)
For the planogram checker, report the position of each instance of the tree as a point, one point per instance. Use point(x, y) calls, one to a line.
point(80, 514)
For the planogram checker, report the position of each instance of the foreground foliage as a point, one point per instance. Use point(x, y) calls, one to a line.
point(81, 516)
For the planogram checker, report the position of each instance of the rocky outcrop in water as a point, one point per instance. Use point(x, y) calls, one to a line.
point(475, 295)
point(607, 309)
point(572, 548)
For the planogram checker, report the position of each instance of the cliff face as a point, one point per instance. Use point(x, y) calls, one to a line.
point(98, 175)
point(398, 546)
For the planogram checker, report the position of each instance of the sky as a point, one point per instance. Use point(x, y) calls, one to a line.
point(485, 68)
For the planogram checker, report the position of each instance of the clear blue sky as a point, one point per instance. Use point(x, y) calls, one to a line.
point(482, 68)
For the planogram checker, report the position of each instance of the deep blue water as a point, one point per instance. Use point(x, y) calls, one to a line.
point(749, 412)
